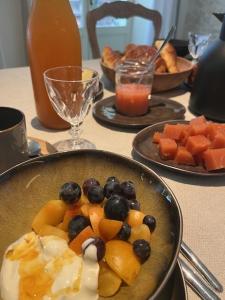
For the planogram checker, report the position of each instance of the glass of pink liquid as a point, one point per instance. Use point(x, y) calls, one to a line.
point(133, 88)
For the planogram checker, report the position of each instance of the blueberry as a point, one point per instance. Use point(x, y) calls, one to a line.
point(111, 188)
point(133, 204)
point(150, 221)
point(70, 192)
point(98, 243)
point(142, 250)
point(76, 225)
point(112, 178)
point(124, 232)
point(116, 208)
point(95, 194)
point(128, 190)
point(89, 183)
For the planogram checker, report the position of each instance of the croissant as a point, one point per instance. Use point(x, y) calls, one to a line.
point(160, 65)
point(169, 55)
point(109, 57)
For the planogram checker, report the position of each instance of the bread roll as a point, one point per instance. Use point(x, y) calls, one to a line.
point(169, 55)
point(140, 53)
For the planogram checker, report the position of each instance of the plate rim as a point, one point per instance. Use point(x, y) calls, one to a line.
point(135, 125)
point(177, 168)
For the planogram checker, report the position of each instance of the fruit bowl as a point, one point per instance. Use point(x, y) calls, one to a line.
point(25, 188)
point(162, 82)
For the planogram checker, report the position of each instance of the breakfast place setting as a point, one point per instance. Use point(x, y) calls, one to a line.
point(112, 154)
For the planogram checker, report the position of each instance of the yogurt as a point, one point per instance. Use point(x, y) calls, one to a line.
point(45, 268)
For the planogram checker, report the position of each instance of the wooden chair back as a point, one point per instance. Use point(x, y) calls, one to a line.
point(119, 9)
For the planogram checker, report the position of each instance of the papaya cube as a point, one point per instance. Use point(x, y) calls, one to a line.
point(198, 120)
point(197, 129)
point(157, 136)
point(167, 148)
point(219, 141)
point(184, 157)
point(213, 129)
point(197, 143)
point(173, 131)
point(214, 159)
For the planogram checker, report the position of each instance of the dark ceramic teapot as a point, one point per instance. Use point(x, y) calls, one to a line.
point(208, 93)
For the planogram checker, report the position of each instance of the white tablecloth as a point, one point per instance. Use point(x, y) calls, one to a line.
point(202, 200)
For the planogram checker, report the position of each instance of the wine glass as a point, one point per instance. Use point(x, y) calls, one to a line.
point(70, 90)
point(197, 43)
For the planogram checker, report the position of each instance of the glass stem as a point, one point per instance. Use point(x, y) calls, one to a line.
point(75, 133)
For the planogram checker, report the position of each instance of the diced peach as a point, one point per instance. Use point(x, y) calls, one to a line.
point(120, 257)
point(184, 157)
point(83, 200)
point(167, 148)
point(140, 232)
point(198, 120)
point(135, 217)
point(76, 243)
point(51, 213)
point(52, 230)
point(96, 214)
point(69, 214)
point(173, 132)
point(214, 159)
point(197, 143)
point(85, 210)
point(157, 136)
point(218, 141)
point(109, 228)
point(108, 281)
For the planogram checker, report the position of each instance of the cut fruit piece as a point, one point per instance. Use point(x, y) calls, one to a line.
point(69, 214)
point(85, 210)
point(120, 257)
point(214, 159)
point(109, 228)
point(52, 230)
point(184, 157)
point(83, 200)
point(51, 213)
point(198, 129)
point(135, 217)
point(198, 120)
point(197, 143)
point(141, 232)
point(108, 281)
point(96, 214)
point(218, 141)
point(76, 243)
point(167, 148)
point(157, 136)
point(173, 132)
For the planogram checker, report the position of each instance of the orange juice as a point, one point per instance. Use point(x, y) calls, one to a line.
point(53, 39)
point(132, 99)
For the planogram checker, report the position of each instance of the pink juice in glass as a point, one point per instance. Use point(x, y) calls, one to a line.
point(132, 99)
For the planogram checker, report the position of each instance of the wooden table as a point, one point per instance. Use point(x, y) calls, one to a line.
point(202, 200)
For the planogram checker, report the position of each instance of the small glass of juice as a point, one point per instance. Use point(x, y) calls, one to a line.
point(133, 88)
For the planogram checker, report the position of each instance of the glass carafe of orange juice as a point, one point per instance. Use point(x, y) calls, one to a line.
point(53, 39)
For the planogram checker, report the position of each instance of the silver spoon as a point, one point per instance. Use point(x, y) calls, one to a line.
point(194, 281)
point(155, 56)
point(200, 267)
